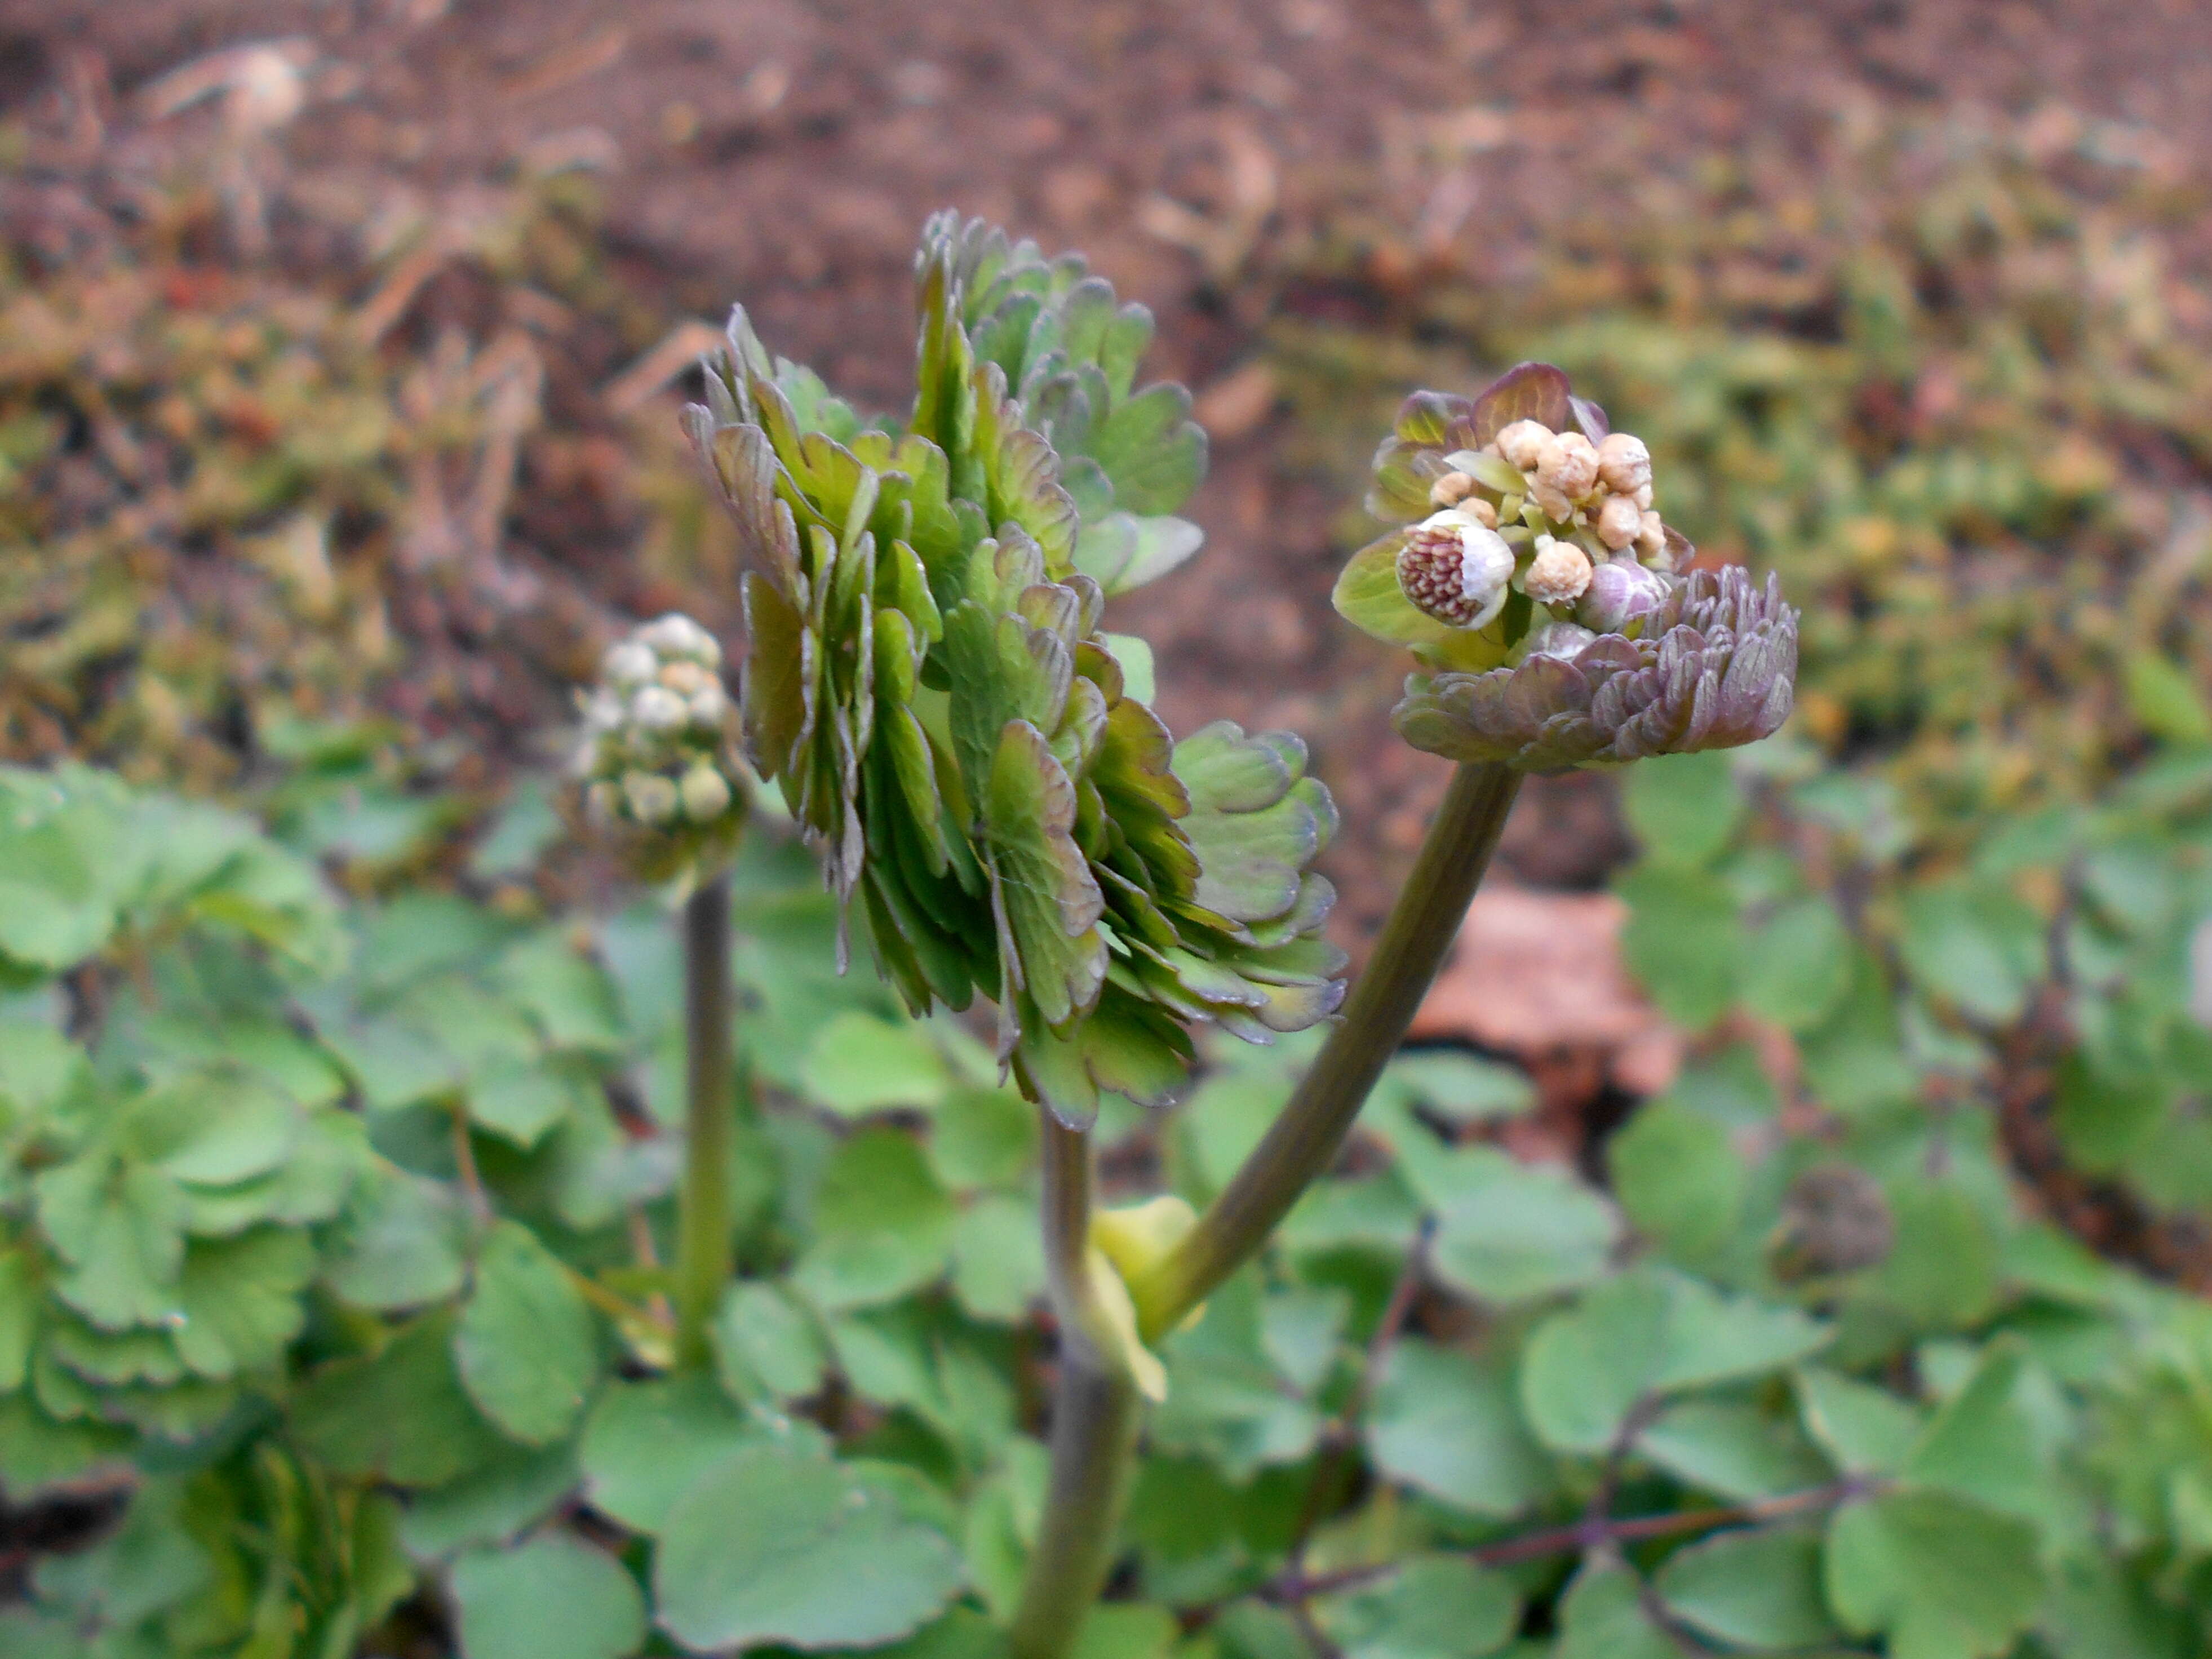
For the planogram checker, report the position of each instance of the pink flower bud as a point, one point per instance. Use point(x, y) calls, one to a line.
point(1619, 522)
point(1558, 574)
point(1522, 442)
point(1624, 464)
point(1621, 593)
point(1567, 463)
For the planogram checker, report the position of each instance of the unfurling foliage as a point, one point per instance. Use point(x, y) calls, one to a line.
point(974, 758)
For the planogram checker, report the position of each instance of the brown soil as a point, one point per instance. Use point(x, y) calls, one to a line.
point(1231, 164)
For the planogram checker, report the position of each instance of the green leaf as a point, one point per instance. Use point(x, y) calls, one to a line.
point(570, 999)
point(240, 1301)
point(555, 1597)
point(998, 1260)
point(399, 1242)
point(213, 1129)
point(764, 1340)
point(20, 1297)
point(1368, 596)
point(1797, 964)
point(519, 1100)
point(882, 1225)
point(1679, 1177)
point(1432, 1607)
point(645, 1443)
point(1647, 1333)
point(1757, 1588)
point(774, 1545)
point(1683, 808)
point(1734, 1448)
point(1509, 1231)
point(1448, 1425)
point(982, 1138)
point(526, 1348)
point(1126, 1630)
point(1977, 946)
point(1942, 1269)
point(859, 1064)
point(1866, 1430)
point(1943, 1578)
point(491, 1504)
point(2165, 699)
point(120, 1226)
point(400, 1413)
point(1602, 1617)
point(1682, 940)
point(1982, 1445)
point(149, 1565)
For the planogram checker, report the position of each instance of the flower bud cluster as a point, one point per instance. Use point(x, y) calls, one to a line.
point(1566, 521)
point(655, 756)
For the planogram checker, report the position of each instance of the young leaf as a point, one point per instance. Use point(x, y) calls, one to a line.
point(1433, 1607)
point(1758, 1589)
point(1445, 1424)
point(1943, 1578)
point(527, 1346)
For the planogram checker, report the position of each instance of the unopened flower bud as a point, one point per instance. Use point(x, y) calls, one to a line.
point(709, 706)
point(1567, 465)
point(1456, 568)
point(705, 794)
point(602, 802)
point(1619, 522)
point(1620, 591)
point(1558, 574)
point(1485, 512)
point(1624, 464)
point(677, 636)
point(1644, 498)
point(1523, 442)
point(653, 798)
point(585, 760)
point(1450, 489)
point(1651, 537)
point(657, 708)
point(683, 677)
point(630, 662)
point(1558, 638)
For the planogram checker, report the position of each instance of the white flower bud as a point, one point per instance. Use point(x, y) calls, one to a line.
point(603, 711)
point(1485, 513)
point(1522, 442)
point(677, 636)
point(709, 706)
point(1450, 489)
point(656, 708)
point(1619, 522)
point(1644, 498)
point(705, 794)
point(1651, 537)
point(630, 662)
point(1567, 465)
point(602, 802)
point(653, 798)
point(1456, 568)
point(585, 760)
point(1558, 573)
point(1624, 464)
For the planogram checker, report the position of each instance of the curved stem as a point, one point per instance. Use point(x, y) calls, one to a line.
point(703, 1239)
point(1304, 1139)
point(1094, 1419)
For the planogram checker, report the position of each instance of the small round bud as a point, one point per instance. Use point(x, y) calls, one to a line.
point(1624, 464)
point(677, 636)
point(1556, 639)
point(705, 794)
point(1651, 537)
point(630, 662)
point(653, 798)
point(603, 710)
point(1523, 442)
point(1620, 591)
point(1558, 574)
point(1485, 514)
point(683, 676)
point(1619, 522)
point(585, 760)
point(1450, 489)
point(709, 706)
point(1456, 568)
point(1644, 498)
point(1567, 465)
point(602, 802)
point(657, 708)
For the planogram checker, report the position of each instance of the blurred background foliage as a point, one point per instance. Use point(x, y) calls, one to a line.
point(1878, 1328)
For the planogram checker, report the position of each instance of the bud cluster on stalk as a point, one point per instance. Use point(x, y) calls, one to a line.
point(656, 759)
point(1535, 580)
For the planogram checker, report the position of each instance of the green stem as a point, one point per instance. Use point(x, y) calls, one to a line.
point(1304, 1139)
point(1094, 1419)
point(703, 1240)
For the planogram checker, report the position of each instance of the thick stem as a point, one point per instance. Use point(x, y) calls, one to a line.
point(703, 1240)
point(1304, 1139)
point(1094, 1419)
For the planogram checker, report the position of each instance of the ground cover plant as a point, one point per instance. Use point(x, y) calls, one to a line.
point(1799, 1374)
